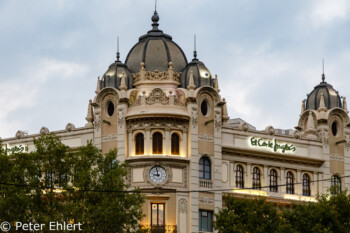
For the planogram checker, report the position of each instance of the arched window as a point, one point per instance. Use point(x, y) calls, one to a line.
point(306, 185)
point(290, 183)
point(335, 185)
point(256, 178)
point(204, 168)
point(157, 143)
point(139, 144)
point(239, 177)
point(175, 144)
point(273, 181)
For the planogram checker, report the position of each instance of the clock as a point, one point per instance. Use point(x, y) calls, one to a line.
point(157, 174)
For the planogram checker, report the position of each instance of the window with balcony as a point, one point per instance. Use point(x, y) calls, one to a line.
point(335, 185)
point(290, 183)
point(239, 177)
point(157, 143)
point(273, 181)
point(175, 144)
point(204, 168)
point(306, 185)
point(256, 178)
point(140, 144)
point(205, 221)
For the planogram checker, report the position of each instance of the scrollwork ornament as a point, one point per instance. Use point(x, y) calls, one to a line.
point(120, 117)
point(182, 206)
point(97, 122)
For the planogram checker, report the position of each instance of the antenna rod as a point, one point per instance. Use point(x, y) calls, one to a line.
point(118, 56)
point(195, 48)
point(323, 76)
point(155, 6)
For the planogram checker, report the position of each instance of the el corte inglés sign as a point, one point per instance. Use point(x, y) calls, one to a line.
point(272, 144)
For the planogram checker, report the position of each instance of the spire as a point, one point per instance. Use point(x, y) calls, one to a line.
point(302, 107)
point(310, 131)
point(118, 55)
point(322, 106)
point(191, 85)
point(155, 19)
point(98, 87)
point(216, 84)
point(225, 115)
point(345, 106)
point(122, 86)
point(195, 49)
point(90, 115)
point(323, 76)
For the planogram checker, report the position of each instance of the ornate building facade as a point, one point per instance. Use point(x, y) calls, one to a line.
point(166, 118)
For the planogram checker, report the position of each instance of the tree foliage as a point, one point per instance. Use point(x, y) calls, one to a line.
point(54, 183)
point(331, 213)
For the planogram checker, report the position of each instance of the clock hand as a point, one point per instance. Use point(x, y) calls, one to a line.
point(157, 171)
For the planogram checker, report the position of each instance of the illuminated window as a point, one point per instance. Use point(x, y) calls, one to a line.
point(139, 145)
point(157, 143)
point(205, 221)
point(158, 217)
point(273, 181)
point(306, 185)
point(290, 183)
point(175, 144)
point(335, 185)
point(256, 178)
point(204, 168)
point(239, 177)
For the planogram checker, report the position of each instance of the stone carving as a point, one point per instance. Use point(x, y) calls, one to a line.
point(244, 126)
point(217, 122)
point(156, 76)
point(270, 130)
point(148, 123)
point(44, 130)
point(296, 134)
point(182, 206)
point(323, 137)
point(120, 117)
point(107, 91)
point(97, 121)
point(70, 127)
point(20, 134)
point(206, 200)
point(157, 96)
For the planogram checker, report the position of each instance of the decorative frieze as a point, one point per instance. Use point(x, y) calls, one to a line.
point(149, 123)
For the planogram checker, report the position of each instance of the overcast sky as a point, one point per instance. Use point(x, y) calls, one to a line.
point(267, 54)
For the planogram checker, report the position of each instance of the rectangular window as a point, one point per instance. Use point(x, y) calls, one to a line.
point(205, 221)
point(158, 217)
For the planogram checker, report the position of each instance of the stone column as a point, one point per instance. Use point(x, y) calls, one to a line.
point(183, 147)
point(167, 142)
point(282, 189)
point(131, 144)
point(148, 142)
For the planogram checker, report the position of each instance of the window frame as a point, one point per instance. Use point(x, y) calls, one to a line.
point(273, 181)
point(175, 145)
point(142, 146)
point(239, 176)
point(256, 179)
point(290, 183)
point(306, 185)
point(209, 217)
point(204, 168)
point(335, 185)
point(157, 146)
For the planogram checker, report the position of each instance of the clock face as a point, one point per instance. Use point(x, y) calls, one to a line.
point(157, 174)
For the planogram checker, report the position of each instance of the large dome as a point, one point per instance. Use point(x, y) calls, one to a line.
point(331, 96)
point(156, 50)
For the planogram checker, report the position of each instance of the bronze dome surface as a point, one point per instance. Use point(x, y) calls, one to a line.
point(156, 49)
point(201, 74)
point(331, 96)
point(113, 76)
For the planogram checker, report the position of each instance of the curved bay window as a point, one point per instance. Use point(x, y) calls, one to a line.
point(273, 181)
point(139, 144)
point(157, 142)
point(290, 183)
point(175, 144)
point(335, 185)
point(256, 178)
point(306, 185)
point(204, 168)
point(239, 177)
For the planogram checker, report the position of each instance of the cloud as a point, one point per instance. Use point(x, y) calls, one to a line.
point(23, 90)
point(325, 12)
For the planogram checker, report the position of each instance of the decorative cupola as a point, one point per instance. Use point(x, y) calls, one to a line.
point(156, 50)
point(113, 76)
point(331, 98)
point(201, 74)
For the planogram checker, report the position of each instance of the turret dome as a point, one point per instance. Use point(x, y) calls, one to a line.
point(331, 96)
point(156, 50)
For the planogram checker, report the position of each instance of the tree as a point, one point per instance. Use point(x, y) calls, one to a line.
point(55, 183)
point(247, 215)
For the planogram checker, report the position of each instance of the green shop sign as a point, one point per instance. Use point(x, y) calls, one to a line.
point(15, 149)
point(259, 142)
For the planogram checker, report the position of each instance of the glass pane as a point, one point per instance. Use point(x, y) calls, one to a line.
point(154, 215)
point(161, 215)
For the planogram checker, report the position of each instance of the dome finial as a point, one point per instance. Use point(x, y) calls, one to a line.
point(323, 76)
point(195, 48)
point(118, 54)
point(155, 18)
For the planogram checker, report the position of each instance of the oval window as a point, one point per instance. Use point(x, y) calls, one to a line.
point(110, 108)
point(204, 107)
point(334, 128)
